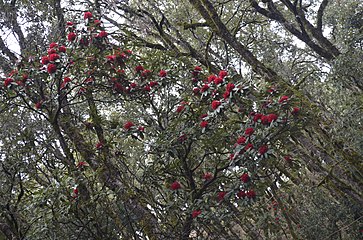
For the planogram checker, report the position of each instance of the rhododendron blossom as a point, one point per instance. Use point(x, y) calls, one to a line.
point(245, 178)
point(249, 131)
point(221, 196)
point(87, 15)
point(207, 176)
point(263, 149)
point(283, 99)
point(215, 104)
point(71, 36)
point(162, 73)
point(128, 125)
point(196, 213)
point(204, 124)
point(175, 185)
point(51, 68)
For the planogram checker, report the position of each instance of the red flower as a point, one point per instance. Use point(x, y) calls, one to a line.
point(221, 196)
point(62, 49)
point(288, 158)
point(97, 22)
point(69, 23)
point(264, 119)
point(75, 191)
point(196, 90)
point(248, 146)
point(180, 109)
point(215, 104)
point(45, 60)
point(162, 73)
point(249, 131)
point(175, 185)
point(103, 34)
point(53, 57)
point(203, 116)
point(133, 85)
point(245, 178)
point(263, 149)
point(39, 104)
point(241, 194)
point(295, 111)
point(53, 45)
point(251, 194)
point(257, 117)
point(271, 117)
point(197, 68)
point(128, 125)
point(7, 81)
point(283, 99)
point(211, 78)
point(204, 124)
point(51, 68)
point(71, 36)
point(207, 176)
point(226, 94)
point(51, 51)
point(147, 88)
point(222, 74)
point(111, 58)
point(218, 80)
point(87, 15)
point(231, 156)
point(99, 145)
point(82, 164)
point(230, 87)
point(241, 140)
point(204, 88)
point(196, 213)
point(153, 83)
point(139, 68)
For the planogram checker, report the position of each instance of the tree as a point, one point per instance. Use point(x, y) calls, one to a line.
point(117, 144)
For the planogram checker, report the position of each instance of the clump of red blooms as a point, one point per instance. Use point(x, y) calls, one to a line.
point(196, 213)
point(87, 15)
point(215, 104)
point(175, 186)
point(99, 145)
point(207, 176)
point(162, 73)
point(221, 196)
point(203, 124)
point(245, 178)
point(128, 125)
point(82, 164)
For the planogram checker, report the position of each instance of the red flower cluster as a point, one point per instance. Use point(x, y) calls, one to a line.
point(196, 213)
point(175, 186)
point(162, 73)
point(221, 196)
point(249, 131)
point(51, 68)
point(245, 178)
point(263, 149)
point(71, 36)
point(103, 34)
point(241, 140)
point(215, 104)
point(128, 125)
point(283, 99)
point(7, 81)
point(207, 176)
point(87, 15)
point(203, 124)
